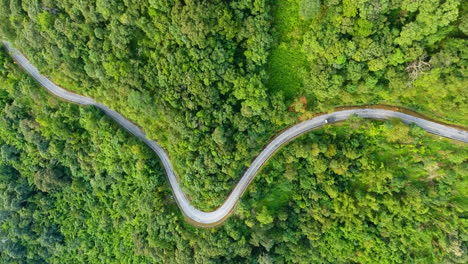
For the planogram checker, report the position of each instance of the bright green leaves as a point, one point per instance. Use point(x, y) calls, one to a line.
point(45, 19)
point(396, 58)
point(116, 69)
point(264, 217)
point(413, 5)
point(350, 8)
point(108, 9)
point(376, 64)
point(431, 17)
point(371, 201)
point(362, 28)
point(398, 132)
point(374, 46)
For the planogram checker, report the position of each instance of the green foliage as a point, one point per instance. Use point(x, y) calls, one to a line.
point(385, 205)
point(309, 8)
point(409, 53)
point(264, 217)
point(191, 74)
point(200, 78)
point(45, 19)
point(353, 193)
point(286, 62)
point(51, 178)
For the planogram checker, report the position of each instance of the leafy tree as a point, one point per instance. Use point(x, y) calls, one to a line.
point(197, 77)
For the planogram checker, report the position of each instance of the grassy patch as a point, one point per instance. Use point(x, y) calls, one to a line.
point(278, 197)
point(287, 63)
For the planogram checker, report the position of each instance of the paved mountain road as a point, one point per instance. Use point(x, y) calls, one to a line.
point(219, 215)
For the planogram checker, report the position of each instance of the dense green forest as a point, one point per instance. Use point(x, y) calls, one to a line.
point(212, 82)
point(76, 188)
point(401, 52)
point(189, 73)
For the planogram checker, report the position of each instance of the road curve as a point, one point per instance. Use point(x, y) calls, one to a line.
point(217, 216)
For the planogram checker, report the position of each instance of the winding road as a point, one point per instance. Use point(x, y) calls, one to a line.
point(217, 216)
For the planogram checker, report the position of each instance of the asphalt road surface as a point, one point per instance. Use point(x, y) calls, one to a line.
point(217, 216)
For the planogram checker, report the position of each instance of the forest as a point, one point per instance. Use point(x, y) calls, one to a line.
point(400, 52)
point(212, 82)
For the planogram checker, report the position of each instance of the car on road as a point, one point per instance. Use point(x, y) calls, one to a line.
point(329, 120)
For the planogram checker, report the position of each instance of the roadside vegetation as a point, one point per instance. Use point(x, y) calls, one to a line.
point(406, 53)
point(76, 188)
point(191, 75)
point(212, 81)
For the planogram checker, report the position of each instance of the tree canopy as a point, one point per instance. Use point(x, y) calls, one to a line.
point(212, 82)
